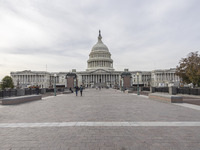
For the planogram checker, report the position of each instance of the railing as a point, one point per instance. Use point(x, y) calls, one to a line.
point(176, 90)
point(145, 89)
point(31, 91)
point(190, 91)
point(162, 89)
point(28, 91)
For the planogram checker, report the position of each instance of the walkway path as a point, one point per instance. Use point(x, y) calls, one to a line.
point(100, 119)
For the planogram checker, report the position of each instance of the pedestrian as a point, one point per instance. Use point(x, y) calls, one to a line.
point(37, 89)
point(81, 89)
point(71, 90)
point(76, 89)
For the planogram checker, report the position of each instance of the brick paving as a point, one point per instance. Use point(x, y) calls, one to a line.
point(106, 105)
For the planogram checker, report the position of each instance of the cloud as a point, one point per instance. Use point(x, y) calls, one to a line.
point(141, 35)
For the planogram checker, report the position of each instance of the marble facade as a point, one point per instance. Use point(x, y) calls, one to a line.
point(99, 72)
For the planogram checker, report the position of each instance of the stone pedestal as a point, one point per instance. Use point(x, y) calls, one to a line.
point(20, 92)
point(43, 91)
point(152, 89)
point(173, 90)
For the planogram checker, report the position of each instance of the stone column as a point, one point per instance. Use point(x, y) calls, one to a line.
point(66, 81)
point(87, 79)
point(119, 79)
point(152, 89)
point(172, 90)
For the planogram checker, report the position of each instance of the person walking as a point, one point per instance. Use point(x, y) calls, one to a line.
point(71, 90)
point(76, 89)
point(37, 90)
point(81, 90)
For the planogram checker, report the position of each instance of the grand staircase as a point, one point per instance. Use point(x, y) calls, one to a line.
point(103, 85)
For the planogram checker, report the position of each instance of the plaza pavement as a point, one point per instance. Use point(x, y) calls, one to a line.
point(104, 119)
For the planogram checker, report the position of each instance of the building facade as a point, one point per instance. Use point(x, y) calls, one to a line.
point(99, 72)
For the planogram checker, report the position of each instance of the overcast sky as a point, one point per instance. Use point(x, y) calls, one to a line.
point(140, 34)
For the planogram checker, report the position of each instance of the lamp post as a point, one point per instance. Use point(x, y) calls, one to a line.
point(138, 92)
point(122, 84)
point(54, 84)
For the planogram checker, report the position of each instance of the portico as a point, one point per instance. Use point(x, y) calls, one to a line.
point(100, 77)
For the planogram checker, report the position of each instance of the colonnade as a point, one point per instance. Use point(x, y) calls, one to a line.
point(100, 64)
point(166, 77)
point(100, 78)
point(29, 78)
point(146, 78)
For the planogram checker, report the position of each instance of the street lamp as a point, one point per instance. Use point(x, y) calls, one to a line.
point(122, 84)
point(138, 92)
point(54, 84)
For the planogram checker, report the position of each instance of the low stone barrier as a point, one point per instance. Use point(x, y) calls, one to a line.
point(66, 92)
point(128, 91)
point(166, 97)
point(20, 99)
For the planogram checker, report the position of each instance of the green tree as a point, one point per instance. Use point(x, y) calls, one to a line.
point(189, 69)
point(7, 82)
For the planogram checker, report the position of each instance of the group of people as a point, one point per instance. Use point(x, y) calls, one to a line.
point(98, 87)
point(79, 89)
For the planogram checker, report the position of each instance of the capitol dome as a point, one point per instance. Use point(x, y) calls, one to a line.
point(100, 57)
point(99, 45)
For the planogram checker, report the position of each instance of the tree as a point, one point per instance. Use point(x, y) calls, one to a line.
point(7, 82)
point(189, 69)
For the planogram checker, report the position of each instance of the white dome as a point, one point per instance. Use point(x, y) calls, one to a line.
point(99, 46)
point(100, 57)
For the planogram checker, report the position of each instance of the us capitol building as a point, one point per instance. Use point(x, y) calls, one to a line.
point(99, 72)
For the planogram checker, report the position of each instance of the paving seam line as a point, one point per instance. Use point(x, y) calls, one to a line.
point(192, 106)
point(100, 124)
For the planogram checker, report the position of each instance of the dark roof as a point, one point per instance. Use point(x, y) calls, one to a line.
point(71, 74)
point(125, 74)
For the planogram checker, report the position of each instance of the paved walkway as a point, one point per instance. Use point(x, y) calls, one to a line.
point(99, 120)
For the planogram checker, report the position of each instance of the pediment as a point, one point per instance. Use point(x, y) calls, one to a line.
point(99, 71)
point(25, 72)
